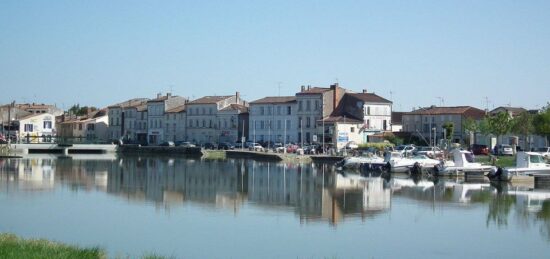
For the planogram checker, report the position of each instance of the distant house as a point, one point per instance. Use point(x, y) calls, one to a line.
point(512, 111)
point(118, 126)
point(274, 119)
point(203, 117)
point(156, 108)
point(428, 122)
point(36, 128)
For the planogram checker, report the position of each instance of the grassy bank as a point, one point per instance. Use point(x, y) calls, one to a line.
point(12, 246)
point(502, 161)
point(214, 154)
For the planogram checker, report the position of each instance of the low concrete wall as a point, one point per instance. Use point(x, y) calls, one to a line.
point(326, 159)
point(253, 155)
point(191, 151)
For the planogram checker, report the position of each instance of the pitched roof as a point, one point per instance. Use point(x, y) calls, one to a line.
point(142, 108)
point(176, 109)
point(275, 99)
point(129, 103)
point(468, 111)
point(369, 97)
point(235, 107)
point(210, 99)
point(513, 110)
point(314, 90)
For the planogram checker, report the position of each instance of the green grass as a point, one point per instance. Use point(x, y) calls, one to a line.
point(12, 246)
point(214, 154)
point(502, 161)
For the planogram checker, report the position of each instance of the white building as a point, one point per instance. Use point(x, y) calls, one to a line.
point(274, 119)
point(156, 109)
point(202, 117)
point(233, 123)
point(174, 121)
point(36, 128)
point(117, 126)
point(373, 110)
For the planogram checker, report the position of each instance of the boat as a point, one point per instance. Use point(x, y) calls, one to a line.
point(462, 162)
point(358, 162)
point(528, 164)
point(412, 164)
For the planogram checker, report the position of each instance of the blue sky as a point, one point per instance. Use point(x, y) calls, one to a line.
point(102, 52)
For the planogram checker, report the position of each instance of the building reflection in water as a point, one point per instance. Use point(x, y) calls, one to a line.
point(312, 192)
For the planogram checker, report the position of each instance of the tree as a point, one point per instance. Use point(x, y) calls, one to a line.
point(80, 111)
point(449, 129)
point(470, 126)
point(523, 126)
point(499, 124)
point(541, 123)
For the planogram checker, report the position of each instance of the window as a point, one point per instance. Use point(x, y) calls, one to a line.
point(47, 124)
point(28, 127)
point(288, 110)
point(278, 110)
point(261, 124)
point(79, 126)
point(261, 110)
point(352, 129)
point(90, 126)
point(269, 110)
point(278, 124)
point(385, 124)
point(368, 110)
point(299, 105)
point(308, 105)
point(308, 122)
point(316, 105)
point(288, 124)
point(299, 122)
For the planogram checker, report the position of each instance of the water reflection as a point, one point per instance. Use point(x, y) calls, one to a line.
point(313, 192)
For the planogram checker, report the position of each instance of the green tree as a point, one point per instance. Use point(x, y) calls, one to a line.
point(80, 111)
point(500, 124)
point(523, 126)
point(541, 123)
point(449, 129)
point(470, 126)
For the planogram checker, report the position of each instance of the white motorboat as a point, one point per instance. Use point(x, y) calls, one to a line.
point(528, 164)
point(463, 162)
point(407, 164)
point(358, 162)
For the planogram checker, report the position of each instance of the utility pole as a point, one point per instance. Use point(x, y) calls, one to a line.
point(301, 134)
point(242, 138)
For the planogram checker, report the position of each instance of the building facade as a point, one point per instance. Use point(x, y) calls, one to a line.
point(274, 119)
point(156, 108)
point(428, 122)
point(36, 128)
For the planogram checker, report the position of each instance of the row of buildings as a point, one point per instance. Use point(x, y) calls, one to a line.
point(331, 115)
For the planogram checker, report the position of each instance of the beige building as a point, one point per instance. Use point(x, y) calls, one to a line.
point(156, 108)
point(118, 129)
point(203, 117)
point(428, 122)
point(274, 119)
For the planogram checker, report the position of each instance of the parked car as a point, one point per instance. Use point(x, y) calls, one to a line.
point(291, 148)
point(545, 152)
point(209, 145)
point(255, 147)
point(238, 145)
point(428, 151)
point(167, 144)
point(184, 144)
point(226, 146)
point(504, 150)
point(478, 149)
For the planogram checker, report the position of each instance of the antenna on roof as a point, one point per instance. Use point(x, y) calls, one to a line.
point(279, 88)
point(441, 100)
point(391, 96)
point(486, 103)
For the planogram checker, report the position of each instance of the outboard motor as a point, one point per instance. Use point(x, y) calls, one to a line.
point(495, 175)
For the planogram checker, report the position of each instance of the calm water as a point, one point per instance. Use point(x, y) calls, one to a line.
point(191, 208)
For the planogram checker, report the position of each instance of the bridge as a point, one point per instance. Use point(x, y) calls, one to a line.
point(64, 149)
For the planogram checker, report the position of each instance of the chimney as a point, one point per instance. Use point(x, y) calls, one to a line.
point(168, 94)
point(308, 87)
point(237, 97)
point(364, 91)
point(159, 95)
point(303, 88)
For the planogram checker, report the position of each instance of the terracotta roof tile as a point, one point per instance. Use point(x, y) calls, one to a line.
point(434, 110)
point(235, 107)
